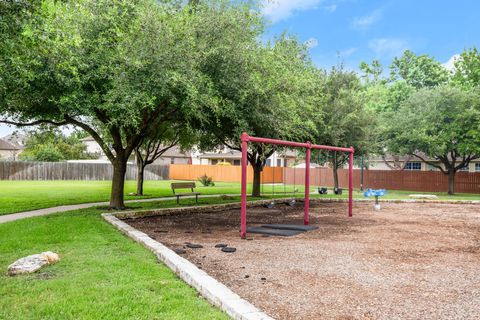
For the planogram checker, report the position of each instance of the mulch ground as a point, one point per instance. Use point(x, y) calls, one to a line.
point(407, 261)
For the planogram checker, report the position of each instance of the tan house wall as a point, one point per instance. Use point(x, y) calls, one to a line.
point(9, 154)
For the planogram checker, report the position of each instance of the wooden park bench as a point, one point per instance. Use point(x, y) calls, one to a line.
point(185, 185)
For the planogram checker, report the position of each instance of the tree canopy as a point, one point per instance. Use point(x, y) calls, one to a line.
point(117, 69)
point(346, 121)
point(50, 144)
point(442, 124)
point(418, 71)
point(269, 95)
point(123, 71)
point(467, 69)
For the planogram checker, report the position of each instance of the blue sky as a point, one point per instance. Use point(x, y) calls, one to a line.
point(361, 30)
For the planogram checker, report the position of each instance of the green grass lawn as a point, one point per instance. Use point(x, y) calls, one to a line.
point(17, 196)
point(102, 274)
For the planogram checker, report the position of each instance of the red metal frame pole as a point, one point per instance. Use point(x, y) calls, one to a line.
point(309, 146)
point(306, 206)
point(350, 183)
point(243, 218)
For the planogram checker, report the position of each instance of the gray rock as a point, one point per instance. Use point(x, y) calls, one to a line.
point(32, 263)
point(423, 196)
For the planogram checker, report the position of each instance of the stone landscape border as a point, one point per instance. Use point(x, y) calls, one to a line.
point(215, 292)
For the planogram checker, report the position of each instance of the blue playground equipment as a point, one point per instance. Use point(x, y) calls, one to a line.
point(376, 194)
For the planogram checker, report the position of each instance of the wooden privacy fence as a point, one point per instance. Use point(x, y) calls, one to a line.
point(222, 173)
point(19, 170)
point(428, 181)
point(424, 181)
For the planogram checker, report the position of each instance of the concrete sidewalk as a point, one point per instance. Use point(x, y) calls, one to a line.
point(46, 211)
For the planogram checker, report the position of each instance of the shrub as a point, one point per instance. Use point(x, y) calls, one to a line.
point(206, 180)
point(49, 153)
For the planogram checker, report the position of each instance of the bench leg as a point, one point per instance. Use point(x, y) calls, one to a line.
point(178, 197)
point(196, 198)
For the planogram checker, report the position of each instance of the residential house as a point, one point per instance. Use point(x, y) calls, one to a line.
point(17, 139)
point(234, 157)
point(92, 147)
point(176, 156)
point(412, 163)
point(172, 156)
point(9, 151)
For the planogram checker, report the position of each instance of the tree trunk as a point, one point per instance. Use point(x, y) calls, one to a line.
point(257, 171)
point(118, 184)
point(140, 173)
point(335, 176)
point(451, 181)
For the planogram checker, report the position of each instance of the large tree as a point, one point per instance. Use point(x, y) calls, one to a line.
point(467, 69)
point(115, 68)
point(440, 126)
point(345, 122)
point(419, 71)
point(270, 96)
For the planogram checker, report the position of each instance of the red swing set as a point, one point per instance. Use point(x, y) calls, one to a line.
point(308, 146)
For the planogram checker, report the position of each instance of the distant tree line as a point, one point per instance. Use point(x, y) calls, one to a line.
point(427, 112)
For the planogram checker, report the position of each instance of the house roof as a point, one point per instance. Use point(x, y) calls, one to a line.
point(176, 152)
point(5, 145)
point(288, 154)
point(222, 155)
point(17, 139)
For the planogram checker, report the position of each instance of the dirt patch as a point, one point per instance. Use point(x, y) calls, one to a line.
point(408, 261)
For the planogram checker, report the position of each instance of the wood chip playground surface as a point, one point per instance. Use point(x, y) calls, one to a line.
point(407, 261)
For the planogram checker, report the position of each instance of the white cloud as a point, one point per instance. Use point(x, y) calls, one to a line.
point(277, 10)
point(347, 52)
point(366, 21)
point(450, 64)
point(388, 47)
point(311, 43)
point(330, 8)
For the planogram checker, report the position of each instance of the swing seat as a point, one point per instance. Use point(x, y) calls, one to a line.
point(322, 190)
point(269, 205)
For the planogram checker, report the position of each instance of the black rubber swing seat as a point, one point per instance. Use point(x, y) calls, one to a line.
point(285, 230)
point(269, 205)
point(273, 232)
point(298, 227)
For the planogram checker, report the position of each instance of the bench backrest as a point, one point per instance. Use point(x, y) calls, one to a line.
point(183, 185)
